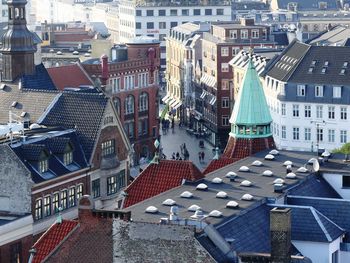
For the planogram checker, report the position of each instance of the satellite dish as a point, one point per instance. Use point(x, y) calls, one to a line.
point(315, 164)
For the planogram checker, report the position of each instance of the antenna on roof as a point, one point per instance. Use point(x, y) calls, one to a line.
point(216, 156)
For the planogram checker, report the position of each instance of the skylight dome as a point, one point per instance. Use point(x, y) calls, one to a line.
point(215, 213)
point(291, 176)
point(247, 197)
point(257, 163)
point(267, 173)
point(302, 170)
point(216, 180)
point(231, 174)
point(202, 187)
point(221, 194)
point(244, 169)
point(232, 204)
point(286, 163)
point(274, 152)
point(152, 209)
point(269, 157)
point(186, 194)
point(246, 183)
point(169, 202)
point(193, 208)
point(278, 181)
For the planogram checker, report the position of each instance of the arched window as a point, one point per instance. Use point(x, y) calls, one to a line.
point(129, 104)
point(143, 101)
point(116, 102)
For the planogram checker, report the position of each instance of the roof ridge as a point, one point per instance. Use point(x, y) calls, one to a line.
point(319, 198)
point(321, 225)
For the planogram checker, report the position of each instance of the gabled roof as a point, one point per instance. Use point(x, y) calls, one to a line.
point(71, 76)
point(158, 178)
point(40, 80)
point(52, 238)
point(251, 106)
point(82, 112)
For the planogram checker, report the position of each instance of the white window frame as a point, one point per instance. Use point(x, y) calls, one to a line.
point(319, 111)
point(331, 135)
point(307, 111)
point(319, 91)
point(283, 109)
point(307, 134)
point(225, 51)
point(244, 34)
point(225, 102)
point(331, 112)
point(225, 67)
point(301, 90)
point(296, 134)
point(283, 132)
point(233, 34)
point(296, 111)
point(337, 92)
point(255, 33)
point(343, 113)
point(343, 136)
point(225, 120)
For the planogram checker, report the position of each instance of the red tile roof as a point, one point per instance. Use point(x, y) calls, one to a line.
point(158, 178)
point(72, 37)
point(52, 238)
point(217, 164)
point(69, 76)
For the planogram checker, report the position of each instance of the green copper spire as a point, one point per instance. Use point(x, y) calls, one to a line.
point(251, 116)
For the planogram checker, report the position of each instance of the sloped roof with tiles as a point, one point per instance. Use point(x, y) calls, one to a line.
point(39, 80)
point(71, 76)
point(52, 238)
point(158, 178)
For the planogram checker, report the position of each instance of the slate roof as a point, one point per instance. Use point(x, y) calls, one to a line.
point(71, 76)
point(308, 5)
point(52, 238)
point(40, 80)
point(158, 178)
point(82, 112)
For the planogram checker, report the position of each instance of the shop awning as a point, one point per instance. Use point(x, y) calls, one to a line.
point(209, 81)
point(173, 102)
point(179, 103)
point(166, 99)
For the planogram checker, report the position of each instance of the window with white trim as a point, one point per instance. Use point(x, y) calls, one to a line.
point(79, 191)
point(225, 102)
point(307, 134)
point(319, 111)
point(301, 90)
point(111, 185)
point(307, 111)
point(43, 165)
point(319, 134)
point(283, 132)
point(331, 112)
point(343, 136)
point(295, 110)
point(296, 133)
point(283, 109)
point(233, 34)
point(336, 92)
point(331, 135)
point(143, 101)
point(225, 120)
point(38, 209)
point(108, 148)
point(64, 199)
point(319, 91)
point(72, 197)
point(56, 202)
point(224, 52)
point(224, 67)
point(47, 206)
point(115, 85)
point(129, 105)
point(68, 158)
point(343, 113)
point(244, 34)
point(255, 33)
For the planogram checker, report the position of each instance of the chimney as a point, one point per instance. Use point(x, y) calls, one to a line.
point(247, 21)
point(104, 69)
point(85, 209)
point(280, 235)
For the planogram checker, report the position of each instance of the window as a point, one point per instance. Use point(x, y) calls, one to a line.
point(331, 112)
point(162, 25)
point(343, 113)
point(138, 25)
point(72, 197)
point(337, 92)
point(343, 136)
point(283, 109)
point(108, 148)
point(307, 134)
point(225, 120)
point(233, 34)
point(319, 111)
point(47, 205)
point(301, 90)
point(43, 166)
point(295, 133)
point(173, 12)
point(331, 135)
point(95, 188)
point(319, 134)
point(143, 127)
point(224, 51)
point(255, 33)
point(79, 191)
point(173, 24)
point(219, 11)
point(143, 101)
point(150, 25)
point(335, 254)
point(68, 158)
point(185, 12)
point(64, 200)
point(129, 129)
point(56, 202)
point(235, 50)
point(224, 67)
point(121, 179)
point(295, 110)
point(111, 185)
point(208, 12)
point(149, 13)
point(225, 85)
point(115, 85)
point(284, 132)
point(318, 91)
point(117, 104)
point(225, 102)
point(143, 80)
point(161, 12)
point(244, 34)
point(307, 111)
point(129, 105)
point(196, 12)
point(38, 209)
point(138, 12)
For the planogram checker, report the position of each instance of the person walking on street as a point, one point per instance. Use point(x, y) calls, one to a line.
point(203, 155)
point(173, 125)
point(200, 157)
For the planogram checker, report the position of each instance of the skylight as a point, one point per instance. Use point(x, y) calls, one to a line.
point(267, 173)
point(302, 170)
point(221, 194)
point(215, 213)
point(193, 208)
point(342, 71)
point(232, 204)
point(244, 169)
point(169, 202)
point(345, 65)
point(257, 163)
point(202, 187)
point(151, 209)
point(14, 104)
point(246, 183)
point(278, 181)
point(291, 176)
point(216, 180)
point(326, 63)
point(313, 63)
point(269, 157)
point(247, 197)
point(311, 70)
point(323, 71)
point(186, 194)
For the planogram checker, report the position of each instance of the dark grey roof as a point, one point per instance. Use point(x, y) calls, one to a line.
point(308, 5)
point(337, 210)
point(249, 6)
point(80, 111)
point(338, 35)
point(40, 80)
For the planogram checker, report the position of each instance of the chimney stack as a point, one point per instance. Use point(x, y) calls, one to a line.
point(105, 70)
point(280, 235)
point(85, 209)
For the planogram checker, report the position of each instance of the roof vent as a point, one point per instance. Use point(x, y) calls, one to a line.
point(198, 214)
point(221, 194)
point(215, 213)
point(14, 104)
point(202, 187)
point(286, 163)
point(326, 63)
point(244, 169)
point(278, 188)
point(232, 204)
point(302, 170)
point(274, 152)
point(291, 176)
point(257, 163)
point(267, 173)
point(345, 65)
point(269, 157)
point(278, 181)
point(193, 208)
point(23, 114)
point(231, 175)
point(313, 63)
point(216, 180)
point(323, 71)
point(246, 183)
point(152, 209)
point(186, 194)
point(342, 71)
point(169, 202)
point(310, 70)
point(247, 197)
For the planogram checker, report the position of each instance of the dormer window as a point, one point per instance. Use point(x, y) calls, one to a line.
point(68, 158)
point(108, 148)
point(43, 166)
